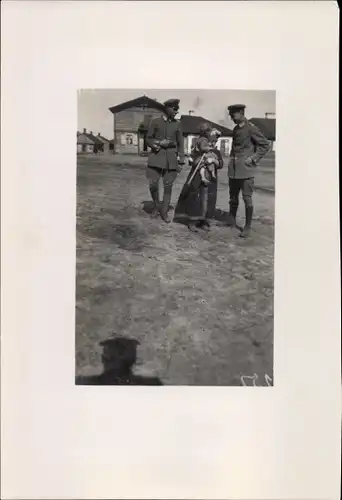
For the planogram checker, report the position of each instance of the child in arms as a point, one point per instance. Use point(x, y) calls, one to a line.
point(204, 151)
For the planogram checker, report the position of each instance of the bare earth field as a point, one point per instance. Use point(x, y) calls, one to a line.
point(200, 305)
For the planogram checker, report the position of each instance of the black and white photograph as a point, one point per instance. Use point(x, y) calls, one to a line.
point(175, 237)
point(170, 274)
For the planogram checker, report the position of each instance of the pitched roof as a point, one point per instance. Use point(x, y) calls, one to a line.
point(94, 138)
point(83, 138)
point(191, 123)
point(102, 139)
point(138, 102)
point(267, 126)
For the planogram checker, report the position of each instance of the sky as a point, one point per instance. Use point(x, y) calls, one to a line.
point(94, 115)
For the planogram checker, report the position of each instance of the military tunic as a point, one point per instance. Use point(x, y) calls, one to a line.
point(248, 142)
point(165, 159)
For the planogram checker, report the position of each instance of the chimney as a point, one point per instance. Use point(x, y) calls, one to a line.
point(98, 134)
point(84, 130)
point(91, 133)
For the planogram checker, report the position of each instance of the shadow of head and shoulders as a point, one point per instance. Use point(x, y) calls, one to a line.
point(118, 358)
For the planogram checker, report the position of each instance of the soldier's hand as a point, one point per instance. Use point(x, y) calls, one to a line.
point(179, 168)
point(165, 143)
point(156, 148)
point(249, 162)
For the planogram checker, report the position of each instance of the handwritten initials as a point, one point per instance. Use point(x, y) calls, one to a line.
point(252, 381)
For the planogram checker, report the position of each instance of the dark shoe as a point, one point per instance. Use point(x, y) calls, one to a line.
point(155, 213)
point(165, 216)
point(246, 232)
point(193, 227)
point(204, 225)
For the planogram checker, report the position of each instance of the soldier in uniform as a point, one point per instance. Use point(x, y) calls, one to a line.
point(166, 158)
point(248, 147)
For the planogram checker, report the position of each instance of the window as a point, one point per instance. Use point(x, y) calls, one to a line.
point(129, 139)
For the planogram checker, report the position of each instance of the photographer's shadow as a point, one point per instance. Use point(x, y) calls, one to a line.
point(118, 357)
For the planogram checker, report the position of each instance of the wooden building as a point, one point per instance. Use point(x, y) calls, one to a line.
point(87, 142)
point(84, 143)
point(105, 143)
point(131, 120)
point(98, 144)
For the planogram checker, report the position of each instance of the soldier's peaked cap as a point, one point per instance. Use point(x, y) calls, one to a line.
point(236, 107)
point(172, 103)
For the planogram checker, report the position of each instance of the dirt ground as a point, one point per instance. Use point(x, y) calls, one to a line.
point(199, 306)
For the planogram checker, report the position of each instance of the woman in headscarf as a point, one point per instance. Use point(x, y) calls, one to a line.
point(197, 200)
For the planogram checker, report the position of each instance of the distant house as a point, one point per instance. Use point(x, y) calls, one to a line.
point(190, 127)
point(131, 121)
point(268, 127)
point(104, 147)
point(87, 142)
point(84, 143)
point(98, 144)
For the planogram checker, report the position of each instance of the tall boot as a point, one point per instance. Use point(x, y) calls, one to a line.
point(247, 229)
point(155, 199)
point(166, 206)
point(231, 221)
